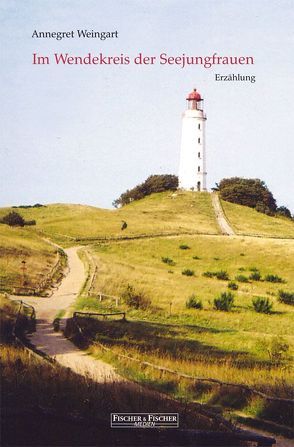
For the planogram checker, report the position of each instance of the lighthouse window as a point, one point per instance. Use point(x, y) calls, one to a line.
point(199, 155)
point(198, 168)
point(199, 127)
point(199, 140)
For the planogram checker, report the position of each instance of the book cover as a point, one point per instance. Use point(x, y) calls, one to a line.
point(146, 227)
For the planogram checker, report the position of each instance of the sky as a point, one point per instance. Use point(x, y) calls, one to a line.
point(86, 133)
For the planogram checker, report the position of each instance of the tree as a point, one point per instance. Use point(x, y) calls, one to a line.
point(249, 192)
point(13, 219)
point(154, 183)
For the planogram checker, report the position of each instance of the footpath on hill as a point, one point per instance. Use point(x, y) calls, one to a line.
point(55, 344)
point(222, 221)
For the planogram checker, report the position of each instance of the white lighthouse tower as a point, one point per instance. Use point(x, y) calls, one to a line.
point(192, 173)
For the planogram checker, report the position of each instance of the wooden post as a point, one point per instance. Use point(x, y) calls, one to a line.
point(100, 296)
point(23, 268)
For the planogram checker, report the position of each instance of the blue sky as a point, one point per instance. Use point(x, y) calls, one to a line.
point(84, 134)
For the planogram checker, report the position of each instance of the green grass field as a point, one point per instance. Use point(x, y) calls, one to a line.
point(237, 346)
point(245, 220)
point(162, 213)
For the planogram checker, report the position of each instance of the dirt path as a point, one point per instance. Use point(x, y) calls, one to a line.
point(224, 225)
point(53, 343)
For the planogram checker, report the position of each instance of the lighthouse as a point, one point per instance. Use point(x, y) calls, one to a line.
point(192, 172)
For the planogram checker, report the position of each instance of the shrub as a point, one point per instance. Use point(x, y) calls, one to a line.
point(249, 192)
point(278, 349)
point(224, 302)
point(194, 303)
point(196, 257)
point(273, 278)
point(253, 269)
point(286, 297)
point(262, 305)
point(241, 278)
point(188, 272)
point(30, 222)
point(135, 299)
point(208, 274)
point(168, 261)
point(283, 211)
point(184, 247)
point(222, 274)
point(233, 286)
point(255, 276)
point(13, 219)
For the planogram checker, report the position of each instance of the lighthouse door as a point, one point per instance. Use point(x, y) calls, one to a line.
point(198, 186)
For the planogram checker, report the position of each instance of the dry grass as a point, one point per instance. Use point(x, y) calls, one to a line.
point(246, 220)
point(160, 213)
point(23, 244)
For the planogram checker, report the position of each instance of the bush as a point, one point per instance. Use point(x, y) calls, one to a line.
point(222, 274)
point(241, 278)
point(262, 305)
point(224, 302)
point(188, 272)
point(286, 297)
point(255, 276)
point(168, 261)
point(249, 192)
point(134, 299)
point(284, 212)
point(184, 247)
point(233, 286)
point(30, 222)
point(208, 274)
point(194, 303)
point(278, 349)
point(273, 278)
point(196, 257)
point(13, 219)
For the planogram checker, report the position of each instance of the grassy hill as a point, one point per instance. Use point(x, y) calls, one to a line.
point(245, 220)
point(160, 213)
point(23, 244)
point(139, 263)
point(241, 346)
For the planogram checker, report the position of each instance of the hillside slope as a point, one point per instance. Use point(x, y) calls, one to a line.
point(248, 221)
point(159, 214)
point(162, 213)
point(23, 244)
